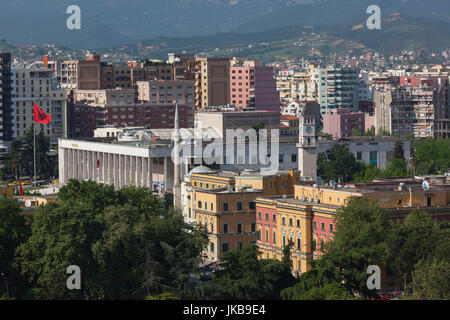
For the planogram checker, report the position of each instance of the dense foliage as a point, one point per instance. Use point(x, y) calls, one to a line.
point(127, 245)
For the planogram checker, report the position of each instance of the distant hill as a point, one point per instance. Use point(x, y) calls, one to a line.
point(118, 22)
point(333, 12)
point(397, 33)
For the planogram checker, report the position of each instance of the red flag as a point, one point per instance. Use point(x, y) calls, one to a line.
point(98, 163)
point(21, 190)
point(40, 116)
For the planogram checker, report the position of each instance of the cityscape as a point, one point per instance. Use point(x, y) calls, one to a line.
point(240, 157)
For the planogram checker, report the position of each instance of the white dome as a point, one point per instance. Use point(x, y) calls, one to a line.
point(200, 169)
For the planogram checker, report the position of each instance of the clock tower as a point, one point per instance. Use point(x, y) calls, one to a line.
point(307, 143)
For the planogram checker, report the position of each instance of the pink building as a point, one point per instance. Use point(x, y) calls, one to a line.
point(253, 86)
point(240, 86)
point(342, 122)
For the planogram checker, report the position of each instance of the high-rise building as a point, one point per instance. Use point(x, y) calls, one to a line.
point(6, 116)
point(37, 84)
point(407, 110)
point(338, 88)
point(81, 74)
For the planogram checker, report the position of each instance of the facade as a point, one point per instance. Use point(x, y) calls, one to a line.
point(81, 74)
point(212, 82)
point(221, 121)
point(338, 88)
point(37, 84)
point(85, 118)
point(371, 150)
point(224, 203)
point(166, 92)
point(307, 219)
point(266, 94)
point(6, 93)
point(407, 110)
point(341, 122)
point(288, 125)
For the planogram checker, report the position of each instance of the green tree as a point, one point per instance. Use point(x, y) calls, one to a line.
point(367, 174)
point(431, 280)
point(396, 168)
point(337, 163)
point(360, 241)
point(357, 132)
point(370, 132)
point(45, 165)
point(399, 153)
point(246, 277)
point(125, 243)
point(14, 230)
point(419, 237)
point(432, 156)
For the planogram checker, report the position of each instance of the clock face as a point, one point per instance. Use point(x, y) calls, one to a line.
point(309, 130)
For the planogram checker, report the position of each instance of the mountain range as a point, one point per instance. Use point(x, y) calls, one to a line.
point(117, 22)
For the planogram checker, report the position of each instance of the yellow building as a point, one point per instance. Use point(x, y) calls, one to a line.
point(307, 218)
point(224, 202)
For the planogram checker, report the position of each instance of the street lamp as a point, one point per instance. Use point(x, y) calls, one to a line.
point(6, 284)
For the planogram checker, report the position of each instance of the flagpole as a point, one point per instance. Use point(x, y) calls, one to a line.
point(34, 151)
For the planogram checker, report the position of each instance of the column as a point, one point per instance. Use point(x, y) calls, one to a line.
point(73, 164)
point(138, 171)
point(165, 174)
point(150, 173)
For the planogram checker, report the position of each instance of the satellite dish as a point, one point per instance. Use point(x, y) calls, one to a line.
point(28, 203)
point(319, 181)
point(425, 185)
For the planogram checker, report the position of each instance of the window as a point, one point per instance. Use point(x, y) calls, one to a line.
point(252, 205)
point(267, 217)
point(267, 236)
point(212, 206)
point(290, 222)
point(314, 225)
point(239, 227)
point(373, 157)
point(284, 241)
point(206, 205)
point(225, 206)
point(259, 215)
point(253, 226)
point(239, 245)
point(322, 226)
point(225, 247)
point(283, 221)
point(274, 238)
point(298, 244)
point(225, 228)
point(199, 205)
point(274, 218)
point(298, 223)
point(239, 206)
point(211, 247)
point(331, 227)
point(359, 156)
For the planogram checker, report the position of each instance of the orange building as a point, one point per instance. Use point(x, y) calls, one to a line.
point(307, 218)
point(224, 202)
